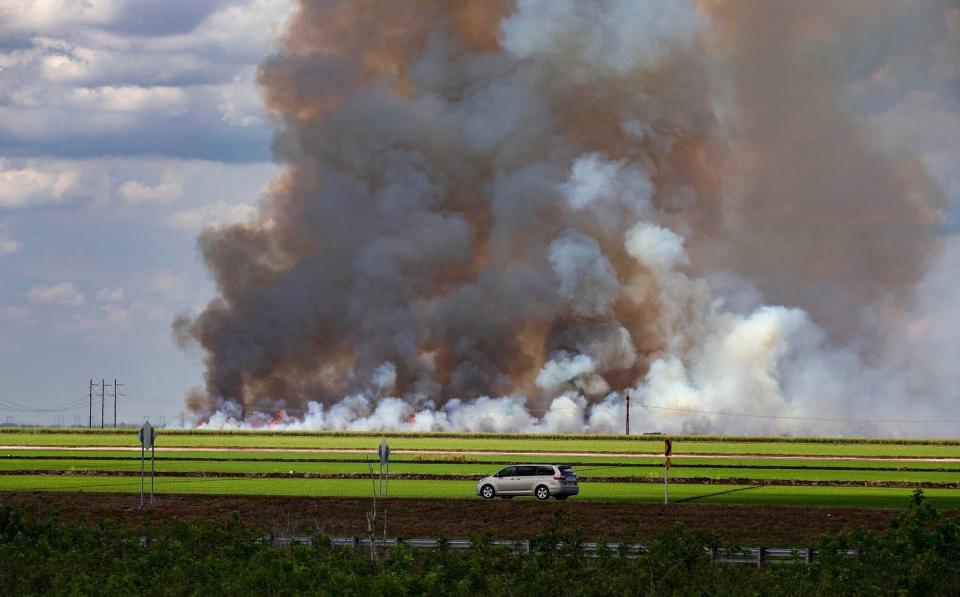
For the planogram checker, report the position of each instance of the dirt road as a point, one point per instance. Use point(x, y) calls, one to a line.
point(373, 452)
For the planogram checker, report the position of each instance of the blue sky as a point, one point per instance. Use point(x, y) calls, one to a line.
point(125, 127)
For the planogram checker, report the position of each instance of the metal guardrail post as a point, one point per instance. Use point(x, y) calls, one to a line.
point(761, 556)
point(808, 555)
point(356, 542)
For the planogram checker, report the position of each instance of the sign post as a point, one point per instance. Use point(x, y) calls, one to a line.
point(384, 452)
point(147, 434)
point(667, 451)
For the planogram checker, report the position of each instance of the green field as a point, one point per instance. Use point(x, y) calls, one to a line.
point(614, 468)
point(478, 442)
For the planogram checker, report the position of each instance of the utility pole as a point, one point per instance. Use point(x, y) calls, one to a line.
point(103, 399)
point(628, 412)
point(115, 386)
point(90, 422)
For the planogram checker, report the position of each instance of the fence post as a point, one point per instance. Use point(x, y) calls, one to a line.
point(808, 556)
point(526, 546)
point(713, 554)
point(761, 555)
point(356, 542)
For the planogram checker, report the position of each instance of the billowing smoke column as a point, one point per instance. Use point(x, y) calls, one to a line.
point(503, 215)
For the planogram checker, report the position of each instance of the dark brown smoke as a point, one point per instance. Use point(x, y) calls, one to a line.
point(490, 198)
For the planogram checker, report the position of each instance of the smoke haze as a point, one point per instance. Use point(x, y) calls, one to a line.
point(505, 215)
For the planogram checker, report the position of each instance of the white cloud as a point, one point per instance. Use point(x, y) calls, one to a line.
point(215, 214)
point(7, 244)
point(64, 293)
point(110, 295)
point(167, 283)
point(49, 15)
point(116, 316)
point(20, 186)
point(170, 78)
point(130, 98)
point(17, 313)
point(134, 191)
point(240, 101)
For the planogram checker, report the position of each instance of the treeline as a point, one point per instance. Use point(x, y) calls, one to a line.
point(642, 437)
point(919, 554)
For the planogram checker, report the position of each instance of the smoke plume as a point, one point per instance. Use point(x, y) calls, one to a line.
point(501, 215)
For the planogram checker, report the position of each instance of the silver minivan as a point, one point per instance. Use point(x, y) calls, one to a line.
point(539, 480)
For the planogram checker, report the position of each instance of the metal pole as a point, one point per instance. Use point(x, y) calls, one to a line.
point(141, 474)
point(90, 423)
point(103, 398)
point(151, 470)
point(387, 486)
point(114, 404)
point(666, 485)
point(628, 413)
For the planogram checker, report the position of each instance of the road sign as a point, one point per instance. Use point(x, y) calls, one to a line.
point(667, 447)
point(384, 451)
point(146, 435)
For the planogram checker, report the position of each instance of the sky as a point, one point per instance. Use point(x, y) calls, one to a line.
point(125, 127)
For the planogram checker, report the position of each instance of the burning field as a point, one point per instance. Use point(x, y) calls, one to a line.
point(504, 215)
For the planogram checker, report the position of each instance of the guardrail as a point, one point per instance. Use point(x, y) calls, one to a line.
point(759, 556)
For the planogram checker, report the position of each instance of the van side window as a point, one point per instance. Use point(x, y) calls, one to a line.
point(510, 471)
point(527, 471)
point(545, 471)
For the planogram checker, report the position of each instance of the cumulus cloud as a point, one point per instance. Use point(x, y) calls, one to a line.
point(133, 191)
point(110, 295)
point(219, 213)
point(166, 283)
point(63, 293)
point(7, 244)
point(17, 313)
point(120, 77)
point(31, 183)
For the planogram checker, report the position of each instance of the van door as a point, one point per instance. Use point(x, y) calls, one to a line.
point(528, 479)
point(508, 481)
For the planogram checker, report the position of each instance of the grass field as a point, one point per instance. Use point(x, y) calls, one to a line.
point(573, 443)
point(708, 470)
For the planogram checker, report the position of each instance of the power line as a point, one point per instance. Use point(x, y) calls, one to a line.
point(10, 406)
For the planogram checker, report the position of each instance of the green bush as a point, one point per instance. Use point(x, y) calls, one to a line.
point(918, 555)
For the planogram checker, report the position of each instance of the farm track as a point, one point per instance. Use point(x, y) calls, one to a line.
point(514, 519)
point(373, 452)
point(429, 477)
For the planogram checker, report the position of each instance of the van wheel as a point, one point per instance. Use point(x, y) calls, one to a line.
point(487, 491)
point(542, 492)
